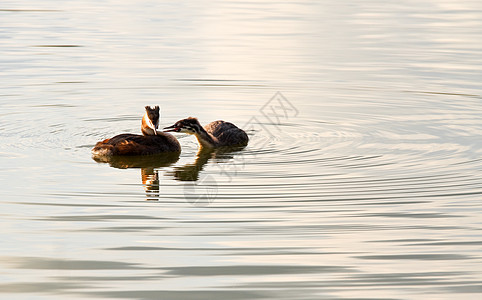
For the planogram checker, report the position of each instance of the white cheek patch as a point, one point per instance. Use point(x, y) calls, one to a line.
point(185, 130)
point(148, 122)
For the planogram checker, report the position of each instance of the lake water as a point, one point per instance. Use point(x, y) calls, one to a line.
point(362, 178)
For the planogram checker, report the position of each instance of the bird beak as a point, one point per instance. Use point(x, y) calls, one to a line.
point(172, 128)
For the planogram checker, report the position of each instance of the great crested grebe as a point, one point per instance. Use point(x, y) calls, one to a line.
point(215, 134)
point(151, 142)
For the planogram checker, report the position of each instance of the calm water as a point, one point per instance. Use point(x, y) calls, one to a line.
point(362, 179)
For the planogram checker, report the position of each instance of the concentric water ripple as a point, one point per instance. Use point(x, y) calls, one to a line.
point(362, 178)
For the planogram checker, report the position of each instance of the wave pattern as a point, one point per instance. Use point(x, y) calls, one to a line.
point(367, 185)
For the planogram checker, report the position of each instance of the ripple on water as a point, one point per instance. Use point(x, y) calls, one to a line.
point(367, 187)
point(313, 162)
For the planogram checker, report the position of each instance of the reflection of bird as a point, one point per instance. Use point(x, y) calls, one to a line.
point(145, 161)
point(151, 142)
point(215, 134)
point(150, 181)
point(191, 171)
point(150, 166)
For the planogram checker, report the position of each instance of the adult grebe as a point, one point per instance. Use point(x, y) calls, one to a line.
point(151, 142)
point(215, 134)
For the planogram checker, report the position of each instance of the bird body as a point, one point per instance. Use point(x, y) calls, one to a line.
point(134, 144)
point(215, 134)
point(151, 142)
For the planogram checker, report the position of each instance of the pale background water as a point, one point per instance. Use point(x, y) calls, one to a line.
point(362, 179)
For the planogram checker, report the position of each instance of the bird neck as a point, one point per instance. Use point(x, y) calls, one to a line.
point(145, 128)
point(206, 139)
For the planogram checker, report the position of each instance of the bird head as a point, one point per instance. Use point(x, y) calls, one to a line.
point(189, 126)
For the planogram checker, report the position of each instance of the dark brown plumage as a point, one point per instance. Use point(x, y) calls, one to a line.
point(215, 134)
point(151, 142)
point(134, 144)
point(227, 133)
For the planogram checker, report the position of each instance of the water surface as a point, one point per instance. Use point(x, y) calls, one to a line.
point(362, 178)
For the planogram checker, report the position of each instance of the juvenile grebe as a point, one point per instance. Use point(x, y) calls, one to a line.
point(215, 134)
point(151, 142)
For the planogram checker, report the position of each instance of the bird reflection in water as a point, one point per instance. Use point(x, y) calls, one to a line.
point(150, 181)
point(201, 190)
point(191, 171)
point(151, 164)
